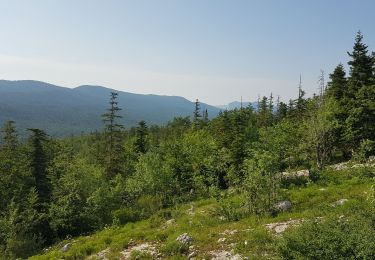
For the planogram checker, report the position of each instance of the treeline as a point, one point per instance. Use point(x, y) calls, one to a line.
point(54, 189)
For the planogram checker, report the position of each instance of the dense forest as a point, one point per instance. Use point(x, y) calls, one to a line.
point(53, 189)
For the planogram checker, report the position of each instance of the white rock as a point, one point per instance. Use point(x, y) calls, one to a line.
point(221, 240)
point(145, 247)
point(184, 239)
point(229, 232)
point(192, 254)
point(224, 255)
point(170, 222)
point(66, 247)
point(339, 202)
point(282, 206)
point(280, 227)
point(340, 166)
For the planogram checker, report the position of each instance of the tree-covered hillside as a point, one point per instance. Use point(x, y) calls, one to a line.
point(233, 182)
point(62, 111)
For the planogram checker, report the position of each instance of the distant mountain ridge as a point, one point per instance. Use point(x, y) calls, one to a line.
point(64, 111)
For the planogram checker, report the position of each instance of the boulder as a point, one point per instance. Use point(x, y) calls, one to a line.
point(283, 206)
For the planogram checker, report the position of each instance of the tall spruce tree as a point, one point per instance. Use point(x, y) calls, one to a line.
point(338, 91)
point(360, 123)
point(361, 66)
point(10, 174)
point(338, 84)
point(197, 116)
point(141, 133)
point(39, 163)
point(10, 136)
point(113, 138)
point(301, 105)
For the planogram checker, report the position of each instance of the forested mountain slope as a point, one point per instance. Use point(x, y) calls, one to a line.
point(62, 111)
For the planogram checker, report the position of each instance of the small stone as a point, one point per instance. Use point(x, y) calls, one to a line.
point(221, 240)
point(229, 232)
point(66, 247)
point(339, 202)
point(170, 222)
point(280, 227)
point(184, 239)
point(192, 254)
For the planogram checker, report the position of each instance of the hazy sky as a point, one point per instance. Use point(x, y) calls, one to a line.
point(213, 50)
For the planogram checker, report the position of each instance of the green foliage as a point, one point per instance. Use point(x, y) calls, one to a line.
point(174, 248)
point(140, 255)
point(333, 238)
point(261, 186)
point(366, 148)
point(320, 128)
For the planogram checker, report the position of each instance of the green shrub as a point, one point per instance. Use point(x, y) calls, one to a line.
point(125, 215)
point(366, 148)
point(136, 254)
point(174, 248)
point(149, 204)
point(333, 238)
point(230, 209)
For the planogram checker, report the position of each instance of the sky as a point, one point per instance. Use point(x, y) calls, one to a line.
point(214, 50)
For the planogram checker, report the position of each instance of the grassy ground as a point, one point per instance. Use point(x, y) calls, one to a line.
point(247, 236)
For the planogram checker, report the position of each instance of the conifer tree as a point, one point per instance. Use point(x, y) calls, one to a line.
point(197, 116)
point(361, 66)
point(10, 175)
point(205, 116)
point(360, 123)
point(113, 138)
point(10, 137)
point(281, 111)
point(141, 137)
point(39, 163)
point(338, 85)
point(300, 102)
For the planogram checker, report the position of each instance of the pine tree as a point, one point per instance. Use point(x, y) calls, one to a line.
point(360, 123)
point(281, 111)
point(300, 102)
point(10, 137)
point(11, 172)
point(197, 116)
point(205, 116)
point(39, 163)
point(113, 138)
point(338, 85)
point(361, 66)
point(264, 112)
point(338, 91)
point(141, 133)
